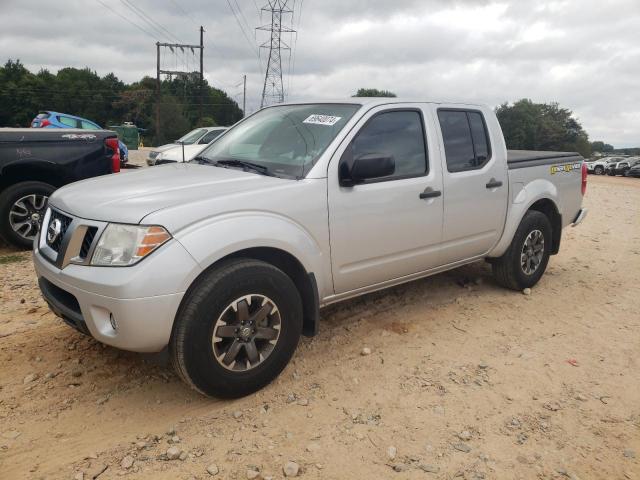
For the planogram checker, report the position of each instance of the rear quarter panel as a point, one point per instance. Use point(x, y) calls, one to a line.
point(559, 182)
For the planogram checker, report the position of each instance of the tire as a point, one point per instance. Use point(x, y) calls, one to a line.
point(598, 170)
point(508, 270)
point(192, 347)
point(29, 197)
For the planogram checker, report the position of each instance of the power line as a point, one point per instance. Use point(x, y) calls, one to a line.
point(115, 12)
point(242, 15)
point(295, 44)
point(251, 44)
point(184, 12)
point(149, 21)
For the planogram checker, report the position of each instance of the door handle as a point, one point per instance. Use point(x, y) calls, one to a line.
point(430, 193)
point(493, 183)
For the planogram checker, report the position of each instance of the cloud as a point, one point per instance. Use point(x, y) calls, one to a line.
point(583, 54)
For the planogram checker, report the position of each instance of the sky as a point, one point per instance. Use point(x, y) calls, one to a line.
point(583, 54)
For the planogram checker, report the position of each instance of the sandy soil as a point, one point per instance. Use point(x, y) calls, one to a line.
point(464, 380)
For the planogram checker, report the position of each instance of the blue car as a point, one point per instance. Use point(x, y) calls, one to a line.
point(47, 119)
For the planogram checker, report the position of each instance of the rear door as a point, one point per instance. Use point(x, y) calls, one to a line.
point(382, 229)
point(475, 179)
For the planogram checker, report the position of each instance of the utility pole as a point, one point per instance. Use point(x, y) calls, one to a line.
point(158, 91)
point(273, 89)
point(201, 73)
point(244, 96)
point(178, 73)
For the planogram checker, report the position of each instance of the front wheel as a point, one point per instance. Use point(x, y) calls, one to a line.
point(524, 263)
point(598, 170)
point(22, 208)
point(237, 328)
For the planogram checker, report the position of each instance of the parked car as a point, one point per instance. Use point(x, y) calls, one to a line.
point(226, 260)
point(48, 119)
point(33, 163)
point(621, 168)
point(634, 171)
point(599, 167)
point(199, 136)
point(186, 153)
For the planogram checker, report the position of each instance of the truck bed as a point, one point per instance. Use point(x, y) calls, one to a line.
point(533, 158)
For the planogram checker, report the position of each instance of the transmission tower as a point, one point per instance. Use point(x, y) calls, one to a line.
point(273, 90)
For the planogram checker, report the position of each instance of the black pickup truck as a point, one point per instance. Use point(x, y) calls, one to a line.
point(34, 162)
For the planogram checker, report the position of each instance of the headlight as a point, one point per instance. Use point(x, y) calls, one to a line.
point(158, 157)
point(123, 245)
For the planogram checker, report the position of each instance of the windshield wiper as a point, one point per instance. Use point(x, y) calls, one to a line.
point(202, 160)
point(232, 162)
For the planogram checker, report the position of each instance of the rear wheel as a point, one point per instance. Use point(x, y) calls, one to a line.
point(237, 329)
point(22, 208)
point(524, 263)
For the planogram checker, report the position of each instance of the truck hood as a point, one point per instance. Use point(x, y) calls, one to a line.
point(131, 196)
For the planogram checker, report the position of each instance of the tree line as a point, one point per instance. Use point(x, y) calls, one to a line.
point(109, 101)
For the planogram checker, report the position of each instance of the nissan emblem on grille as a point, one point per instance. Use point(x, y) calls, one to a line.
point(54, 230)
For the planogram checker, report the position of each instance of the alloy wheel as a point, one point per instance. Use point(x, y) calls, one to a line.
point(25, 216)
point(246, 332)
point(532, 252)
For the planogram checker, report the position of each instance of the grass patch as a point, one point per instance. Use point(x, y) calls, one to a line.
point(11, 259)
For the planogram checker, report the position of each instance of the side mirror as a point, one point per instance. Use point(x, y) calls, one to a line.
point(365, 167)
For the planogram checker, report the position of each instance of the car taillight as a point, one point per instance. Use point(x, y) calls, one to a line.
point(584, 178)
point(112, 143)
point(44, 123)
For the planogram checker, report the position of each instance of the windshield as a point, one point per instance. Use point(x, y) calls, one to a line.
point(285, 140)
point(192, 136)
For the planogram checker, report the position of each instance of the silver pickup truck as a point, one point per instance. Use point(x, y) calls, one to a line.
point(227, 260)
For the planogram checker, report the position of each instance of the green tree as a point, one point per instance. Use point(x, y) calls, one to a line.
point(602, 147)
point(107, 100)
point(373, 92)
point(541, 126)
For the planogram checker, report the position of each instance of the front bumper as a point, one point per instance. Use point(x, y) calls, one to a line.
point(132, 308)
point(579, 217)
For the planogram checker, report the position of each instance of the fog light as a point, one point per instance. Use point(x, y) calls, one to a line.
point(113, 322)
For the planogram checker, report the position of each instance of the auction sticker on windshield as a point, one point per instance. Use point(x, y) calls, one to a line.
point(322, 119)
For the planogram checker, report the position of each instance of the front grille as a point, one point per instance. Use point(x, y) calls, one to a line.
point(64, 225)
point(153, 155)
point(87, 241)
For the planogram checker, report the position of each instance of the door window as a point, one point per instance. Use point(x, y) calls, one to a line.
point(466, 143)
point(397, 134)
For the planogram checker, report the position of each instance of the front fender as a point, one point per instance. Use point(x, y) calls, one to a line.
point(522, 198)
point(220, 236)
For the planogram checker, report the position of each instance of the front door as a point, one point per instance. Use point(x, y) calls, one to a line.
point(389, 227)
point(475, 184)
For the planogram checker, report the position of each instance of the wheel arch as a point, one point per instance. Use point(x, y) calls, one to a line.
point(550, 210)
point(539, 195)
point(41, 171)
point(304, 281)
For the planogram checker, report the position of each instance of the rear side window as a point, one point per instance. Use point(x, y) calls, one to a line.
point(399, 134)
point(69, 122)
point(465, 138)
point(209, 137)
point(88, 125)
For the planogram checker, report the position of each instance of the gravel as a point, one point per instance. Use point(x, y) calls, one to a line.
point(291, 469)
point(173, 453)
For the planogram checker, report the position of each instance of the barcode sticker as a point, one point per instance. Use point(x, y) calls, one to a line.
point(322, 119)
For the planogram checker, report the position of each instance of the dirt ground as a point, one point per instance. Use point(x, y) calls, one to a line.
point(464, 380)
